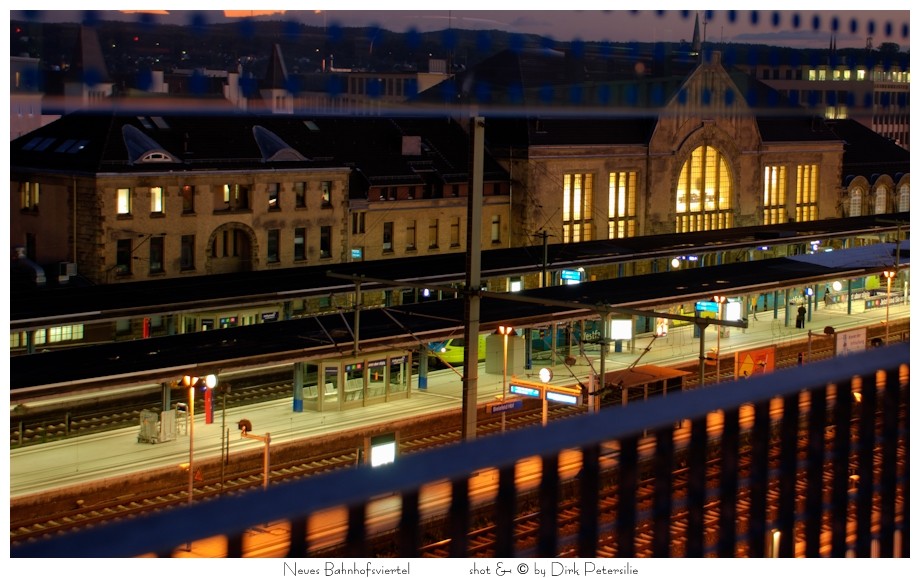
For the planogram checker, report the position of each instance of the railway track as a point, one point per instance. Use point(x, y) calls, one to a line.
point(139, 504)
point(280, 472)
point(28, 427)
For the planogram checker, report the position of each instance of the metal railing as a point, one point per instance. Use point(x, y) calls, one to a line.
point(816, 453)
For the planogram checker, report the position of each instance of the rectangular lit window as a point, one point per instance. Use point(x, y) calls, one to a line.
point(806, 193)
point(577, 207)
point(29, 196)
point(65, 333)
point(621, 205)
point(156, 199)
point(123, 204)
point(274, 201)
point(325, 189)
point(236, 196)
point(774, 195)
point(496, 229)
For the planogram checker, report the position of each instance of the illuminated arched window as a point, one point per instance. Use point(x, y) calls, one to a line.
point(904, 199)
point(881, 200)
point(774, 195)
point(704, 192)
point(856, 203)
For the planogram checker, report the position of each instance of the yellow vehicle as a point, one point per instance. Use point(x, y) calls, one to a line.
point(450, 352)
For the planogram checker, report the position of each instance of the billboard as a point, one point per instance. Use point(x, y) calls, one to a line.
point(851, 341)
point(754, 361)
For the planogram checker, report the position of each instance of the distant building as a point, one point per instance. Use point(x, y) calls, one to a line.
point(25, 96)
point(875, 95)
point(578, 150)
point(706, 159)
point(135, 196)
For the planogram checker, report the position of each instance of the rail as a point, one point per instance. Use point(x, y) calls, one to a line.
point(865, 392)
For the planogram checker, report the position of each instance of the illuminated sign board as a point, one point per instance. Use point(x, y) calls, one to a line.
point(524, 390)
point(621, 328)
point(733, 311)
point(356, 254)
point(562, 397)
point(570, 275)
point(383, 449)
point(707, 306)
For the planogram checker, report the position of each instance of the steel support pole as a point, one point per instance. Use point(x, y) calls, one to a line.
point(472, 297)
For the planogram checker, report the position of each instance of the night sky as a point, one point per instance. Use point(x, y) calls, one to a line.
point(795, 28)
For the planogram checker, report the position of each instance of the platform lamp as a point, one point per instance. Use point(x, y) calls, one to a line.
point(505, 331)
point(889, 276)
point(191, 382)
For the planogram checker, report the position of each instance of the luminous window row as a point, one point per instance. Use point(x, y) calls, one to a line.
point(231, 196)
point(49, 335)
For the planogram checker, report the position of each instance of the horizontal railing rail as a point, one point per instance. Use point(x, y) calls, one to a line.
point(806, 455)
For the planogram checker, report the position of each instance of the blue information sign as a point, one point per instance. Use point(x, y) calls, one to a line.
point(570, 275)
point(523, 390)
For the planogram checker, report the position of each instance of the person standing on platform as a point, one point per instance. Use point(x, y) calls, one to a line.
point(800, 317)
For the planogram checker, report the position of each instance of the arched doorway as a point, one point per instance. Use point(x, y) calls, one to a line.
point(231, 249)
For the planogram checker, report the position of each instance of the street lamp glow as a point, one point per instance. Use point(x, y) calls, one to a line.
point(190, 382)
point(505, 331)
point(889, 276)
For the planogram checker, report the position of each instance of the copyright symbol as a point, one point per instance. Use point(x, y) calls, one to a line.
point(522, 568)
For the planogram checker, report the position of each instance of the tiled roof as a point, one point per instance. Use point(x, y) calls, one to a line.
point(867, 153)
point(92, 142)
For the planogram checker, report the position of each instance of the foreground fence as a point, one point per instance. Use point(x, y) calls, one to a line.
point(810, 461)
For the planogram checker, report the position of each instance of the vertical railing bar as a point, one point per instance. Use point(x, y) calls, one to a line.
point(549, 507)
point(728, 485)
point(817, 424)
point(505, 510)
point(626, 501)
point(696, 487)
point(865, 450)
point(888, 478)
point(410, 538)
point(788, 462)
point(356, 535)
point(843, 414)
point(235, 545)
point(760, 466)
point(459, 518)
point(662, 499)
point(297, 548)
point(588, 504)
point(904, 378)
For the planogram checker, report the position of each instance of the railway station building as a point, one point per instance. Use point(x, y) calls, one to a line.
point(128, 193)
